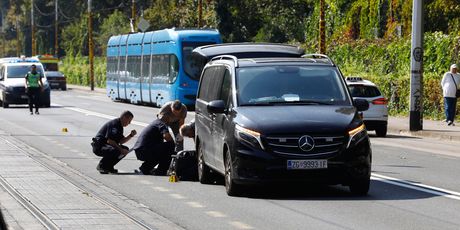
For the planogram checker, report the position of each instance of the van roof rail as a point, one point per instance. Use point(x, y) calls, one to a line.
point(226, 57)
point(319, 56)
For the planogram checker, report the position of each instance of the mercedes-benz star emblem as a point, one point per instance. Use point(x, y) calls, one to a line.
point(306, 143)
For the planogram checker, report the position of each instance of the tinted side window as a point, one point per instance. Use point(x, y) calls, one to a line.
point(216, 83)
point(225, 92)
point(205, 83)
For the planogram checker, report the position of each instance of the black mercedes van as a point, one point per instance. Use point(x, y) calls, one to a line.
point(262, 120)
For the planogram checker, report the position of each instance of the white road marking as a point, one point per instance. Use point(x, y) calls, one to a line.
point(74, 150)
point(82, 154)
point(177, 196)
point(145, 182)
point(406, 184)
point(417, 186)
point(216, 214)
point(194, 204)
point(101, 115)
point(240, 225)
point(161, 189)
point(67, 147)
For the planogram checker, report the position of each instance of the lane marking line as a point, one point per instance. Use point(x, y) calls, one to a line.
point(216, 214)
point(96, 114)
point(161, 189)
point(240, 225)
point(194, 204)
point(145, 182)
point(177, 196)
point(417, 186)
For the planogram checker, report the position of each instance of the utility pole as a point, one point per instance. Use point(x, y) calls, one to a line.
point(90, 44)
point(322, 28)
point(133, 14)
point(416, 79)
point(56, 18)
point(18, 43)
point(33, 29)
point(200, 12)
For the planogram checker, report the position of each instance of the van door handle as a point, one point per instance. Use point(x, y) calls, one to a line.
point(213, 116)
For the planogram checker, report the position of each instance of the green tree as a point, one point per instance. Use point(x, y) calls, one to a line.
point(116, 23)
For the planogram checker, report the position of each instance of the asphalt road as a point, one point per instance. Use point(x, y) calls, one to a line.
point(415, 181)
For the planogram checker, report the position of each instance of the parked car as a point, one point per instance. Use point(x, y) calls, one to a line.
point(264, 120)
point(376, 117)
point(56, 80)
point(12, 81)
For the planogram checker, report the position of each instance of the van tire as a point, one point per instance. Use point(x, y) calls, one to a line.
point(381, 131)
point(231, 187)
point(204, 172)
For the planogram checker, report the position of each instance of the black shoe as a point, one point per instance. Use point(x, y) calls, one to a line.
point(101, 170)
point(36, 112)
point(157, 172)
point(31, 113)
point(450, 123)
point(113, 171)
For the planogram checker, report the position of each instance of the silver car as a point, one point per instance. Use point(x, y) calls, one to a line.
point(376, 117)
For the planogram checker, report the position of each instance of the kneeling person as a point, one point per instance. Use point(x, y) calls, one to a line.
point(155, 146)
point(109, 141)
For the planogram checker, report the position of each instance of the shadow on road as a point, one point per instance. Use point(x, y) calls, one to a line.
point(379, 191)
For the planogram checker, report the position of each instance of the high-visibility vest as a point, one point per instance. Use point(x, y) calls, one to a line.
point(33, 79)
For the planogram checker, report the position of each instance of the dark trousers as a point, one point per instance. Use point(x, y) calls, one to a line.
point(159, 154)
point(33, 93)
point(450, 105)
point(110, 156)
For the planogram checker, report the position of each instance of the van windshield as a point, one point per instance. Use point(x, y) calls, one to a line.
point(269, 85)
point(20, 71)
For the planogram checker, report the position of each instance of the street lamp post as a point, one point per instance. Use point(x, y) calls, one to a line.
point(90, 45)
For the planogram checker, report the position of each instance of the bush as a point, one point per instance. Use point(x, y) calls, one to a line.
point(387, 64)
point(76, 70)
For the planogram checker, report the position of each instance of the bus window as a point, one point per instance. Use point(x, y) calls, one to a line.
point(173, 68)
point(191, 67)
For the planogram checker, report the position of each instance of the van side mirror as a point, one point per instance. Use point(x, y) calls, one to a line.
point(216, 106)
point(361, 104)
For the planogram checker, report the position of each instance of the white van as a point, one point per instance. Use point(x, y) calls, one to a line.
point(12, 81)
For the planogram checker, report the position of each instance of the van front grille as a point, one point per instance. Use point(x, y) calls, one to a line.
point(289, 145)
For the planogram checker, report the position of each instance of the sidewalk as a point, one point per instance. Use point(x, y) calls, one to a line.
point(431, 129)
point(39, 192)
point(396, 125)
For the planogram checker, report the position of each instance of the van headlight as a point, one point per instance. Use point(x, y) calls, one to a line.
point(356, 135)
point(249, 136)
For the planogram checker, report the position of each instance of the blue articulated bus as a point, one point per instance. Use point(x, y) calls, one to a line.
point(156, 67)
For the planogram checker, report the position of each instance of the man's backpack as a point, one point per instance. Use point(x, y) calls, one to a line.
point(184, 165)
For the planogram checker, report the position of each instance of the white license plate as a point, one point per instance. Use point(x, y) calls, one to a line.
point(54, 84)
point(24, 97)
point(306, 164)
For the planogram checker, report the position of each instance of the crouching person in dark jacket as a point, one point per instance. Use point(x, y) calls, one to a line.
point(154, 146)
point(109, 141)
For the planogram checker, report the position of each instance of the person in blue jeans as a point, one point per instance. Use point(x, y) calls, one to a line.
point(449, 83)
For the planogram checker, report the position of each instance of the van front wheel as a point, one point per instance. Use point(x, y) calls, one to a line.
point(204, 172)
point(231, 187)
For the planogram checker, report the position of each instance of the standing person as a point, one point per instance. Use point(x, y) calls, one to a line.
point(33, 87)
point(449, 84)
point(175, 112)
point(109, 141)
point(154, 146)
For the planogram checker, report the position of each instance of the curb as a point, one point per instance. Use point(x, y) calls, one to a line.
point(86, 88)
point(422, 133)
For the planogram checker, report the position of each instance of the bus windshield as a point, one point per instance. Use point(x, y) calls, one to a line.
point(192, 67)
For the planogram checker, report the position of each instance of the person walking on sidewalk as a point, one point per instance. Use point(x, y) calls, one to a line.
point(175, 112)
point(33, 87)
point(449, 85)
point(109, 141)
